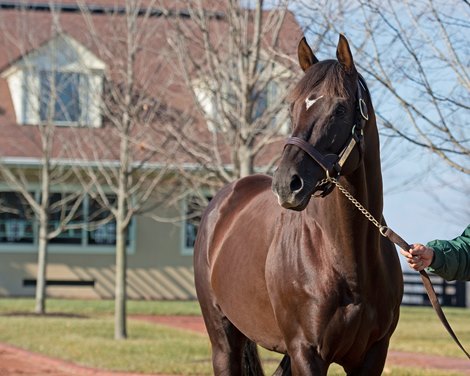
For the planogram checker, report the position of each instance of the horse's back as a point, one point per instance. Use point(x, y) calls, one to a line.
point(233, 240)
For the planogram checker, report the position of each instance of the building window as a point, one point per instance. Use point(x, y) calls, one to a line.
point(63, 97)
point(102, 226)
point(263, 99)
point(16, 219)
point(85, 223)
point(194, 208)
point(66, 209)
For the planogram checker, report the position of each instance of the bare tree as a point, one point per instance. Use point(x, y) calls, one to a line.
point(235, 63)
point(132, 155)
point(56, 212)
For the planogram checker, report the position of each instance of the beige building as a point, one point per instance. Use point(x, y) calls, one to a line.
point(159, 263)
point(81, 260)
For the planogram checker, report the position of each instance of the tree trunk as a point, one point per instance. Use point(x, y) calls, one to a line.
point(120, 327)
point(42, 264)
point(245, 161)
point(43, 214)
point(120, 330)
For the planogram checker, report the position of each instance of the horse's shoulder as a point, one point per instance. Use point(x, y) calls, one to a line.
point(236, 196)
point(243, 192)
point(253, 184)
point(236, 206)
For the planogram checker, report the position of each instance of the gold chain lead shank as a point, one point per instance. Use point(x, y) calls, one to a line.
point(357, 204)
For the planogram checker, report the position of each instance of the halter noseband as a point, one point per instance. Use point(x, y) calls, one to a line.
point(333, 163)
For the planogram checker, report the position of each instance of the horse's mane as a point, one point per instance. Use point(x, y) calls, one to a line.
point(327, 76)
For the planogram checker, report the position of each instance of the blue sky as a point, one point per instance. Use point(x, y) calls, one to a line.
point(425, 200)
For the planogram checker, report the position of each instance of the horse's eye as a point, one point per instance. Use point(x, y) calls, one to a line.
point(340, 110)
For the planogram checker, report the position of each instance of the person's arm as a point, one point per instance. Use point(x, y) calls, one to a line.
point(449, 259)
point(452, 257)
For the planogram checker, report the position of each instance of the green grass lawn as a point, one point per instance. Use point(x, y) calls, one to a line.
point(85, 337)
point(420, 330)
point(101, 307)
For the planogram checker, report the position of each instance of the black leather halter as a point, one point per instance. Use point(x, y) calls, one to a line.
point(333, 163)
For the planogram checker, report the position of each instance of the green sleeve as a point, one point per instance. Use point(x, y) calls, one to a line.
point(452, 257)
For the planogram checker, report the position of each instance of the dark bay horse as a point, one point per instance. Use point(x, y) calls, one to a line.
point(317, 283)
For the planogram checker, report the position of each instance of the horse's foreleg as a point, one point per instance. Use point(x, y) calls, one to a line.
point(232, 353)
point(306, 362)
point(374, 360)
point(227, 348)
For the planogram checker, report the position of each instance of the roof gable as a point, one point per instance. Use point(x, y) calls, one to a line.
point(59, 53)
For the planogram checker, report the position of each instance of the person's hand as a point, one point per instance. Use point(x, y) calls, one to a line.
point(419, 256)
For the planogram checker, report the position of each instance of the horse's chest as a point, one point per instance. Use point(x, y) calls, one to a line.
point(314, 294)
point(304, 265)
point(322, 290)
point(323, 308)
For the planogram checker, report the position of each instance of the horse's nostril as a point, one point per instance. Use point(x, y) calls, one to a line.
point(296, 184)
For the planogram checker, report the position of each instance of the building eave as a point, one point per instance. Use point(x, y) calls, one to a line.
point(28, 162)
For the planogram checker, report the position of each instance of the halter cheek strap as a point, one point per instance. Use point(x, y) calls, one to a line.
point(357, 134)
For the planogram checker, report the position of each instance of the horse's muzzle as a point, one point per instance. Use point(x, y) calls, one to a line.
point(291, 190)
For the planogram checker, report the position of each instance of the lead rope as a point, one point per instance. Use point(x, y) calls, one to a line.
point(395, 238)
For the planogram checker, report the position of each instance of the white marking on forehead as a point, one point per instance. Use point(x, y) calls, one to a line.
point(310, 102)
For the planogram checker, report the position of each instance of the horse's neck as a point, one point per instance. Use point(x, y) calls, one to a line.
point(342, 220)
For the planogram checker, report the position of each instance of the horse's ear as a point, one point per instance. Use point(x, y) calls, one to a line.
point(305, 54)
point(344, 55)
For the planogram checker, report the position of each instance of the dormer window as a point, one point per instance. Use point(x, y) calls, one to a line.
point(219, 102)
point(63, 97)
point(59, 99)
point(60, 83)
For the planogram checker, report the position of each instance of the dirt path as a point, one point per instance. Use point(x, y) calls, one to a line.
point(17, 362)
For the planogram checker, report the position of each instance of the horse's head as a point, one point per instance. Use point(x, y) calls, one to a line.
point(327, 112)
